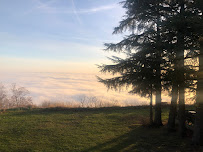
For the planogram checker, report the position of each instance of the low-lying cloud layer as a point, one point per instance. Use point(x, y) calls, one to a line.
point(67, 87)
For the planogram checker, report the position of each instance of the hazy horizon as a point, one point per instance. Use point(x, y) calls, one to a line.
point(67, 87)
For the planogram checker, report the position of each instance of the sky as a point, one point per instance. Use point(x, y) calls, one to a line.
point(56, 35)
point(52, 47)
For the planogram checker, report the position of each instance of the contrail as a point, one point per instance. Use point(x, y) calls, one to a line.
point(75, 12)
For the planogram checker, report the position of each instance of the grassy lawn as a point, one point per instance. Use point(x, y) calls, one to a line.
point(85, 130)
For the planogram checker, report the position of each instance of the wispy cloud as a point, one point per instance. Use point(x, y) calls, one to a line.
point(49, 8)
point(17, 43)
point(45, 5)
point(42, 6)
point(75, 12)
point(97, 9)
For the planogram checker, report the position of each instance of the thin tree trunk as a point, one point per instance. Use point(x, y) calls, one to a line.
point(151, 110)
point(173, 108)
point(198, 129)
point(157, 119)
point(181, 88)
point(181, 75)
point(181, 112)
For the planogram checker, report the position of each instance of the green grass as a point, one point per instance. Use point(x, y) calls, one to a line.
point(85, 130)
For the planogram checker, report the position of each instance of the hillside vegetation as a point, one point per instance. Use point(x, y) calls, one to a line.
point(86, 130)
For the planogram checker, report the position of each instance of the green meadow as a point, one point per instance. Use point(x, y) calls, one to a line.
point(113, 129)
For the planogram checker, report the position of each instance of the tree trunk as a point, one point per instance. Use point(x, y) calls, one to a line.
point(181, 112)
point(151, 110)
point(157, 119)
point(173, 108)
point(181, 74)
point(181, 87)
point(198, 129)
point(158, 86)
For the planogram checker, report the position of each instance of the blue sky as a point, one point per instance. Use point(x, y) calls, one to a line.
point(56, 35)
point(64, 36)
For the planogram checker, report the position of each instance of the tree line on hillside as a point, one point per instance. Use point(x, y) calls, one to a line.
point(17, 97)
point(163, 48)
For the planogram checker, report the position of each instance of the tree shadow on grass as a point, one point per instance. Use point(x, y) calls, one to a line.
point(144, 139)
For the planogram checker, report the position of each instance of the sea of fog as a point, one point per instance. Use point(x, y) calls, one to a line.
point(67, 87)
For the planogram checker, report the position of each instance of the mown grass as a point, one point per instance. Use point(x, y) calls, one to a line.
point(85, 130)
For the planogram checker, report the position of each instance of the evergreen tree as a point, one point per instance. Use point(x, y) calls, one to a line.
point(136, 74)
point(146, 18)
point(164, 30)
point(198, 128)
point(182, 25)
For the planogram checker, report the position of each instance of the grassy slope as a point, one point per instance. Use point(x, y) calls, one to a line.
point(72, 130)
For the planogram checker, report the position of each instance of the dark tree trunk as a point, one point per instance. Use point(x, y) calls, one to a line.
point(157, 119)
point(181, 112)
point(151, 110)
point(198, 129)
point(181, 74)
point(173, 108)
point(158, 86)
point(181, 87)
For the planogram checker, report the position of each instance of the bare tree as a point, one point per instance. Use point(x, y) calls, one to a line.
point(93, 101)
point(19, 96)
point(3, 97)
point(83, 100)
